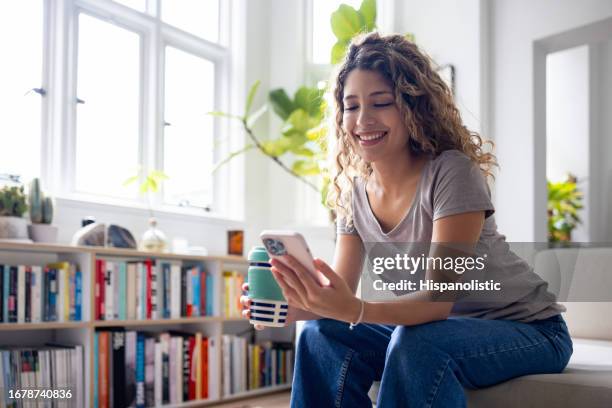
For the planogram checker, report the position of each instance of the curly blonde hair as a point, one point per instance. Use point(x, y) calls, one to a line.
point(425, 104)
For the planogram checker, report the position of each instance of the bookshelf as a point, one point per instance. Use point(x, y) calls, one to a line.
point(83, 332)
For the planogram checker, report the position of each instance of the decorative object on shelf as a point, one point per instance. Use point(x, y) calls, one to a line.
point(90, 235)
point(153, 239)
point(41, 215)
point(235, 242)
point(12, 207)
point(119, 237)
point(88, 220)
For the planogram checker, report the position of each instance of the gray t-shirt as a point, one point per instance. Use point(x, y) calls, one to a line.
point(452, 184)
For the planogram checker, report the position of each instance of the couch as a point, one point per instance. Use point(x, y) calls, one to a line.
point(577, 275)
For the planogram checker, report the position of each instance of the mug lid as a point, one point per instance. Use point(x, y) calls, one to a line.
point(258, 254)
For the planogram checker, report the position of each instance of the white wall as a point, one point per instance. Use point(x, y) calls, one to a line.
point(515, 25)
point(602, 226)
point(567, 124)
point(450, 32)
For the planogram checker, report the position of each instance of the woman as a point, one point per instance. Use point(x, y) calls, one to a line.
point(409, 171)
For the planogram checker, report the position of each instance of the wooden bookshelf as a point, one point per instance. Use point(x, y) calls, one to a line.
point(82, 332)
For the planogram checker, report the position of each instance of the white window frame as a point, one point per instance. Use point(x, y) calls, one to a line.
point(59, 110)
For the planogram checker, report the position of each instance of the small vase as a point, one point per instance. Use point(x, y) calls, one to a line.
point(43, 233)
point(13, 228)
point(153, 239)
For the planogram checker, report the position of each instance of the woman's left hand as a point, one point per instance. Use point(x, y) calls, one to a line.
point(302, 290)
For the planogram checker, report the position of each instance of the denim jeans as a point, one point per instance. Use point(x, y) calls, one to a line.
point(427, 365)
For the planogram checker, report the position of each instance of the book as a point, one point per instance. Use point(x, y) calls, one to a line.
point(130, 368)
point(149, 371)
point(140, 370)
point(118, 364)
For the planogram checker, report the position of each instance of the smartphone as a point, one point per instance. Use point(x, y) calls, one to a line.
point(279, 243)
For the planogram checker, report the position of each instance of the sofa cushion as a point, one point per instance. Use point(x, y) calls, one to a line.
point(585, 383)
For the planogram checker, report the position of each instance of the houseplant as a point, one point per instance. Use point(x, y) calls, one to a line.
point(564, 201)
point(41, 215)
point(153, 239)
point(12, 207)
point(303, 139)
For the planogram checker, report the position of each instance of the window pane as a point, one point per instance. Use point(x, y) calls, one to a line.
point(108, 121)
point(199, 17)
point(139, 5)
point(188, 140)
point(21, 41)
point(323, 38)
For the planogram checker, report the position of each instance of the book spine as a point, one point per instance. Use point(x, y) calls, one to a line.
point(28, 294)
point(103, 365)
point(78, 295)
point(6, 290)
point(119, 384)
point(149, 280)
point(195, 283)
point(108, 291)
point(183, 292)
point(21, 294)
point(101, 277)
point(203, 311)
point(167, 290)
point(150, 371)
point(130, 368)
point(53, 294)
point(186, 367)
point(122, 290)
point(154, 291)
point(140, 370)
point(96, 369)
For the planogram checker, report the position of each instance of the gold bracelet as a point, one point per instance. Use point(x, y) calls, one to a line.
point(360, 318)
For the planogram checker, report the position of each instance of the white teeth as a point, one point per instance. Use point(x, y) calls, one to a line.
point(371, 136)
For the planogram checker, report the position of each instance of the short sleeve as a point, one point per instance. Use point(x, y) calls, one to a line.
point(459, 186)
point(343, 229)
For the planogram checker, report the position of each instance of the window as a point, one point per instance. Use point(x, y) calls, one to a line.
point(21, 70)
point(126, 85)
point(199, 17)
point(108, 92)
point(188, 134)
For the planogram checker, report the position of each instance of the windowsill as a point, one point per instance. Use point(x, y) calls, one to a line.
point(107, 204)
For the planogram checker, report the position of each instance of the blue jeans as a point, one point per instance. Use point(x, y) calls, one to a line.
point(420, 366)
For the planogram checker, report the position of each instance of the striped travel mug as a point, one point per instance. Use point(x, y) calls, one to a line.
point(268, 306)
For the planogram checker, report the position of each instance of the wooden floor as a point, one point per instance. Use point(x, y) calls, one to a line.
point(277, 400)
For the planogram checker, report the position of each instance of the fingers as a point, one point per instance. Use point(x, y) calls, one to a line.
point(245, 286)
point(292, 296)
point(292, 275)
point(326, 270)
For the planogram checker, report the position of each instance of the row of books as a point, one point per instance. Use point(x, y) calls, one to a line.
point(251, 366)
point(133, 368)
point(152, 290)
point(49, 376)
point(35, 293)
point(232, 283)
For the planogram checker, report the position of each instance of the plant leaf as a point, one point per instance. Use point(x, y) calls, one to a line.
point(345, 22)
point(250, 97)
point(281, 103)
point(310, 100)
point(130, 180)
point(232, 155)
point(368, 11)
point(306, 168)
point(223, 114)
point(338, 51)
point(252, 119)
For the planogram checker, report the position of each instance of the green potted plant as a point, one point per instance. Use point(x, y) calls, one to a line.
point(564, 201)
point(13, 226)
point(41, 215)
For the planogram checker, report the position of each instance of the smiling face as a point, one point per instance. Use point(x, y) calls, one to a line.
point(371, 119)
